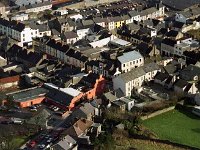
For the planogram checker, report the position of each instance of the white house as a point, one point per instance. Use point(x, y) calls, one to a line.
point(37, 7)
point(130, 60)
point(135, 78)
point(26, 2)
point(18, 31)
point(183, 87)
point(20, 17)
point(129, 103)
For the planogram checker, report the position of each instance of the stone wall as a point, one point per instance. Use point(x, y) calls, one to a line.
point(157, 113)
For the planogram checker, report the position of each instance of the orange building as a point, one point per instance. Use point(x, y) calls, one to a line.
point(28, 97)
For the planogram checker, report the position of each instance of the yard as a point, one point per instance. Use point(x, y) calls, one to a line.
point(177, 126)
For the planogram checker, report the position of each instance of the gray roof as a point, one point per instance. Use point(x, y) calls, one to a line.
point(110, 96)
point(41, 27)
point(64, 143)
point(133, 13)
point(148, 11)
point(87, 22)
point(28, 94)
point(129, 56)
point(139, 72)
point(70, 35)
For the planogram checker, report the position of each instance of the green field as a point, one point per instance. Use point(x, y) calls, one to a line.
point(176, 126)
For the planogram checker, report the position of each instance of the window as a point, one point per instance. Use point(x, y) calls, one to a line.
point(23, 35)
point(130, 63)
point(140, 60)
point(124, 65)
point(133, 62)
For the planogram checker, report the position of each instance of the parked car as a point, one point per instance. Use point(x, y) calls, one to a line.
point(31, 144)
point(33, 109)
point(55, 108)
point(41, 146)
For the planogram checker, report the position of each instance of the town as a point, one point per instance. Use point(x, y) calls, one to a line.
point(99, 74)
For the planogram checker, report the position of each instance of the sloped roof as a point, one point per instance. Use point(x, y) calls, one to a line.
point(129, 56)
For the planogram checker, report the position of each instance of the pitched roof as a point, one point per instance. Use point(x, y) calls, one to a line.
point(12, 24)
point(181, 4)
point(79, 127)
point(148, 11)
point(133, 13)
point(129, 56)
point(138, 72)
point(169, 42)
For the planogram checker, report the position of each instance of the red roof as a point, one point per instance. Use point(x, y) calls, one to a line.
point(9, 79)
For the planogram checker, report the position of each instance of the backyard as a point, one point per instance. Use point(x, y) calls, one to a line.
point(177, 126)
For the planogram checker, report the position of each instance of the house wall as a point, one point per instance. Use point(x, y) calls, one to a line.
point(128, 66)
point(98, 88)
point(167, 49)
point(38, 9)
point(31, 102)
point(75, 100)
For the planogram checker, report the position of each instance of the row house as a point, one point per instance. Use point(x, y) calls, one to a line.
point(128, 81)
point(108, 69)
point(37, 7)
point(65, 54)
point(172, 47)
point(25, 2)
point(75, 58)
point(21, 33)
point(56, 49)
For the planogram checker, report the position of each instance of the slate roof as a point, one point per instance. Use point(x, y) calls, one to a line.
point(172, 33)
point(169, 42)
point(12, 24)
point(129, 56)
point(60, 96)
point(70, 35)
point(133, 13)
point(57, 45)
point(190, 72)
point(148, 11)
point(139, 72)
point(64, 143)
point(180, 4)
point(79, 127)
point(161, 76)
point(177, 24)
point(41, 27)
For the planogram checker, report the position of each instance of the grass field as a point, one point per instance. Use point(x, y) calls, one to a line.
point(176, 126)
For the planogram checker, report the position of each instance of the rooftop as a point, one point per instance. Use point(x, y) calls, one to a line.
point(129, 56)
point(28, 94)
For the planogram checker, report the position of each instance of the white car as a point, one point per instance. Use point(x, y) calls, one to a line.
point(34, 109)
point(41, 146)
point(49, 140)
point(55, 109)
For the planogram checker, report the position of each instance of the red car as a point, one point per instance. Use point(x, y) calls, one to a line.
point(31, 144)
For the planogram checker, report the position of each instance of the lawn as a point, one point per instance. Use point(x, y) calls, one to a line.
point(176, 126)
